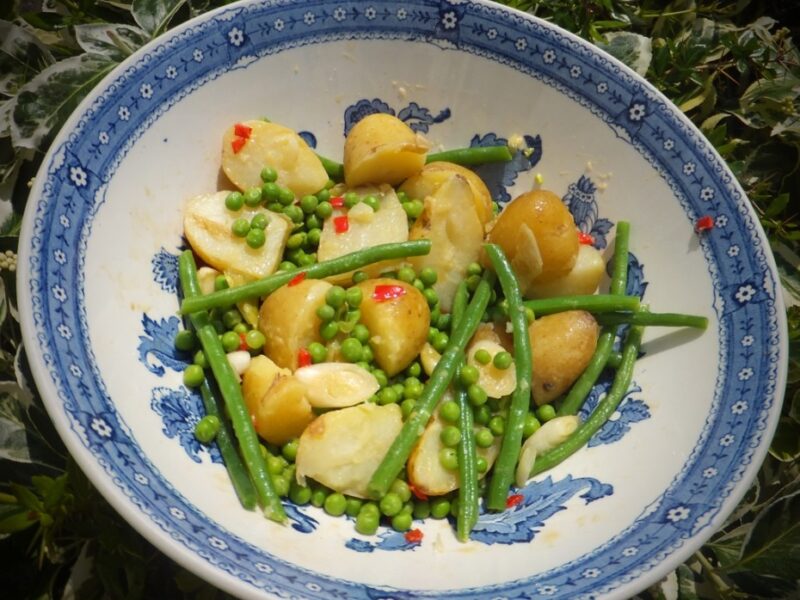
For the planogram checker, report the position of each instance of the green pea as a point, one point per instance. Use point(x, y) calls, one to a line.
point(440, 508)
point(450, 411)
point(448, 458)
point(335, 296)
point(390, 504)
point(295, 213)
point(380, 375)
point(401, 488)
point(252, 197)
point(296, 240)
point(234, 201)
point(199, 359)
point(428, 276)
point(422, 509)
point(367, 521)
point(285, 196)
point(351, 350)
point(281, 485)
point(472, 282)
point(454, 507)
point(241, 327)
point(353, 296)
point(313, 236)
point(481, 465)
point(407, 407)
point(268, 174)
point(432, 333)
point(324, 210)
point(231, 318)
point(530, 425)
point(443, 321)
point(230, 341)
point(503, 360)
point(414, 369)
point(309, 204)
point(431, 297)
point(545, 412)
point(406, 274)
point(255, 238)
point(193, 375)
point(372, 202)
point(388, 395)
point(351, 199)
point(402, 522)
point(323, 195)
point(335, 504)
point(206, 429)
point(366, 354)
point(254, 340)
point(440, 342)
point(259, 221)
point(353, 506)
point(360, 332)
point(482, 415)
point(275, 207)
point(469, 375)
point(313, 222)
point(450, 436)
point(360, 276)
point(476, 394)
point(307, 259)
point(474, 269)
point(275, 464)
point(289, 449)
point(497, 425)
point(220, 283)
point(398, 389)
point(482, 356)
point(413, 390)
point(484, 438)
point(299, 494)
point(326, 312)
point(185, 340)
point(329, 330)
point(318, 352)
point(318, 497)
point(415, 208)
point(270, 192)
point(240, 227)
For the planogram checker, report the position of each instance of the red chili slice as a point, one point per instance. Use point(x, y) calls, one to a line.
point(513, 500)
point(237, 144)
point(341, 224)
point(243, 131)
point(704, 223)
point(337, 202)
point(242, 341)
point(303, 358)
point(382, 293)
point(297, 278)
point(585, 238)
point(418, 494)
point(413, 536)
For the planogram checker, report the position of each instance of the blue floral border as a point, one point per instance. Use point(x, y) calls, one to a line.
point(746, 301)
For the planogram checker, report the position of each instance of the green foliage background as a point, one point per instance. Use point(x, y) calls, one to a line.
point(732, 66)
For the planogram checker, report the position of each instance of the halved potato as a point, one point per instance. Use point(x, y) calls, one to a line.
point(207, 226)
point(496, 382)
point(449, 219)
point(388, 224)
point(538, 235)
point(342, 448)
point(583, 278)
point(562, 345)
point(380, 148)
point(398, 326)
point(337, 384)
point(426, 182)
point(276, 146)
point(288, 319)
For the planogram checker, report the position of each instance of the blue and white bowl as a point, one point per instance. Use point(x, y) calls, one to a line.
point(98, 292)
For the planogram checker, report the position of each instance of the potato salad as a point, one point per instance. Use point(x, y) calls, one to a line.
point(376, 338)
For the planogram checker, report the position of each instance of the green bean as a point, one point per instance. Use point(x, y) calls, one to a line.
point(596, 303)
point(653, 319)
point(335, 266)
point(335, 170)
point(604, 409)
point(605, 343)
point(442, 375)
point(232, 395)
point(225, 442)
point(503, 473)
point(471, 157)
point(468, 495)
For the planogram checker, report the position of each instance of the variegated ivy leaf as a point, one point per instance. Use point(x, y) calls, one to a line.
point(772, 546)
point(631, 48)
point(13, 438)
point(113, 40)
point(154, 15)
point(21, 55)
point(44, 103)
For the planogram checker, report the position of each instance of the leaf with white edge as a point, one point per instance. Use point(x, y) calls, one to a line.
point(772, 547)
point(154, 15)
point(688, 583)
point(13, 437)
point(21, 55)
point(44, 103)
point(114, 40)
point(631, 48)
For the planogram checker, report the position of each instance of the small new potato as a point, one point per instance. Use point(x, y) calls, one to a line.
point(342, 448)
point(538, 214)
point(562, 346)
point(398, 326)
point(276, 146)
point(380, 148)
point(433, 175)
point(288, 319)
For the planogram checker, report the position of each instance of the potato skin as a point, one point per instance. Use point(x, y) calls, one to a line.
point(398, 327)
point(289, 321)
point(562, 346)
point(583, 278)
point(380, 148)
point(551, 224)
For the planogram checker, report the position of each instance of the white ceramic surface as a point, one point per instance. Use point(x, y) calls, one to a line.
point(103, 229)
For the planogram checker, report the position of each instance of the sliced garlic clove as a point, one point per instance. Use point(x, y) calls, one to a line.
point(337, 385)
point(239, 361)
point(548, 436)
